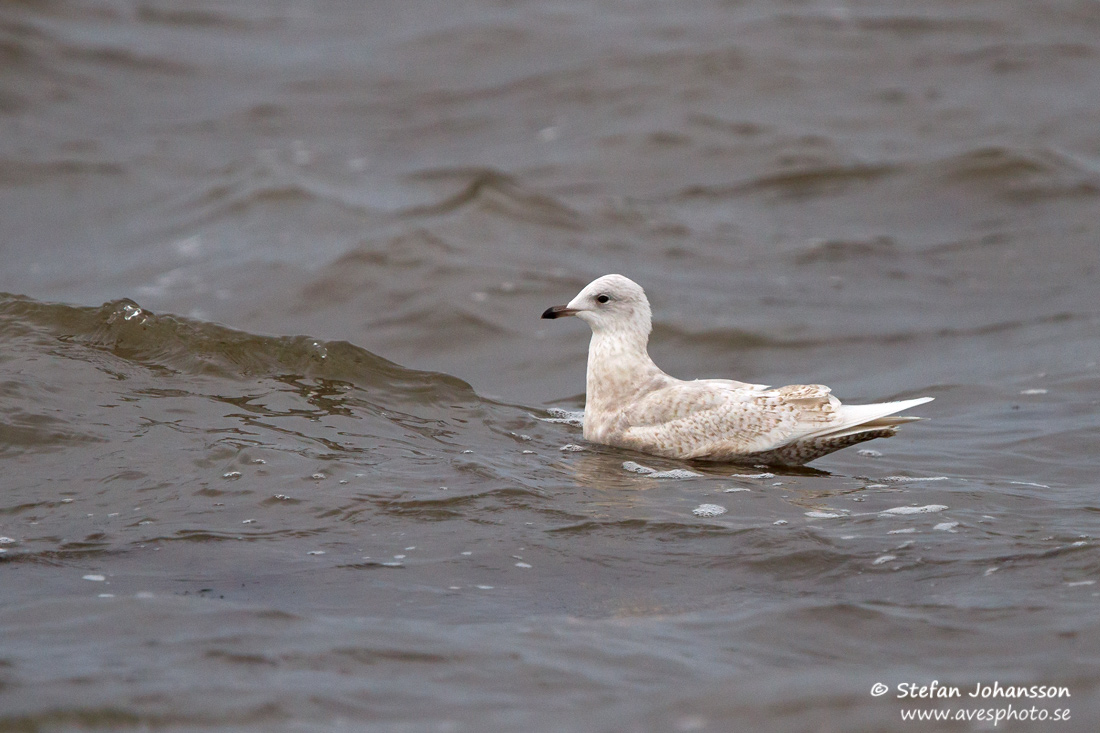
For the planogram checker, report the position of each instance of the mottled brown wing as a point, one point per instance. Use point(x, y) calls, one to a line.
point(689, 421)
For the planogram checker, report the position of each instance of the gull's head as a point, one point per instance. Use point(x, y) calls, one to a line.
point(611, 303)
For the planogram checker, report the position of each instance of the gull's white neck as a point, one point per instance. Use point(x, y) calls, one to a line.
point(618, 368)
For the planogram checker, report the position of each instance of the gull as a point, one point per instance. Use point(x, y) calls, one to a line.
point(630, 403)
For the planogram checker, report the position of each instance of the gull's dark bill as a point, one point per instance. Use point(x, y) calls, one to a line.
point(558, 311)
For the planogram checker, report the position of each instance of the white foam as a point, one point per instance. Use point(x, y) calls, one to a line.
point(902, 510)
point(708, 510)
point(567, 417)
point(911, 479)
point(680, 473)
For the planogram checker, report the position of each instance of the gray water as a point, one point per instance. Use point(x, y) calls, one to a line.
point(285, 446)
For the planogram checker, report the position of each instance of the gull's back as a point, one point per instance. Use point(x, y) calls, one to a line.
point(725, 420)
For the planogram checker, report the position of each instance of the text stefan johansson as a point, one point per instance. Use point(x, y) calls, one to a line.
point(912, 690)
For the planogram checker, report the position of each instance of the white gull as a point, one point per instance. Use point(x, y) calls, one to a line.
point(631, 403)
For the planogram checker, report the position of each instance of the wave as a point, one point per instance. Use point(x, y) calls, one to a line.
point(270, 179)
point(126, 330)
point(809, 180)
point(21, 172)
point(204, 19)
point(731, 338)
point(497, 192)
point(1016, 174)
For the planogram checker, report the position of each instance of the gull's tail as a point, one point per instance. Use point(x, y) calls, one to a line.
point(869, 418)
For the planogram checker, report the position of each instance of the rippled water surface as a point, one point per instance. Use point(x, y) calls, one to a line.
point(285, 446)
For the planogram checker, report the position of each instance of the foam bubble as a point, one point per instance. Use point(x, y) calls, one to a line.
point(901, 510)
point(680, 473)
point(567, 417)
point(708, 510)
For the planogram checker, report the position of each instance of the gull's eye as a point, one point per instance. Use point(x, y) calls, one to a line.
point(602, 298)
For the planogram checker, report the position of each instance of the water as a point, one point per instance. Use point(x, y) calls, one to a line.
point(285, 445)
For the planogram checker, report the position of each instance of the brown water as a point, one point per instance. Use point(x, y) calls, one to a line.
point(211, 522)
